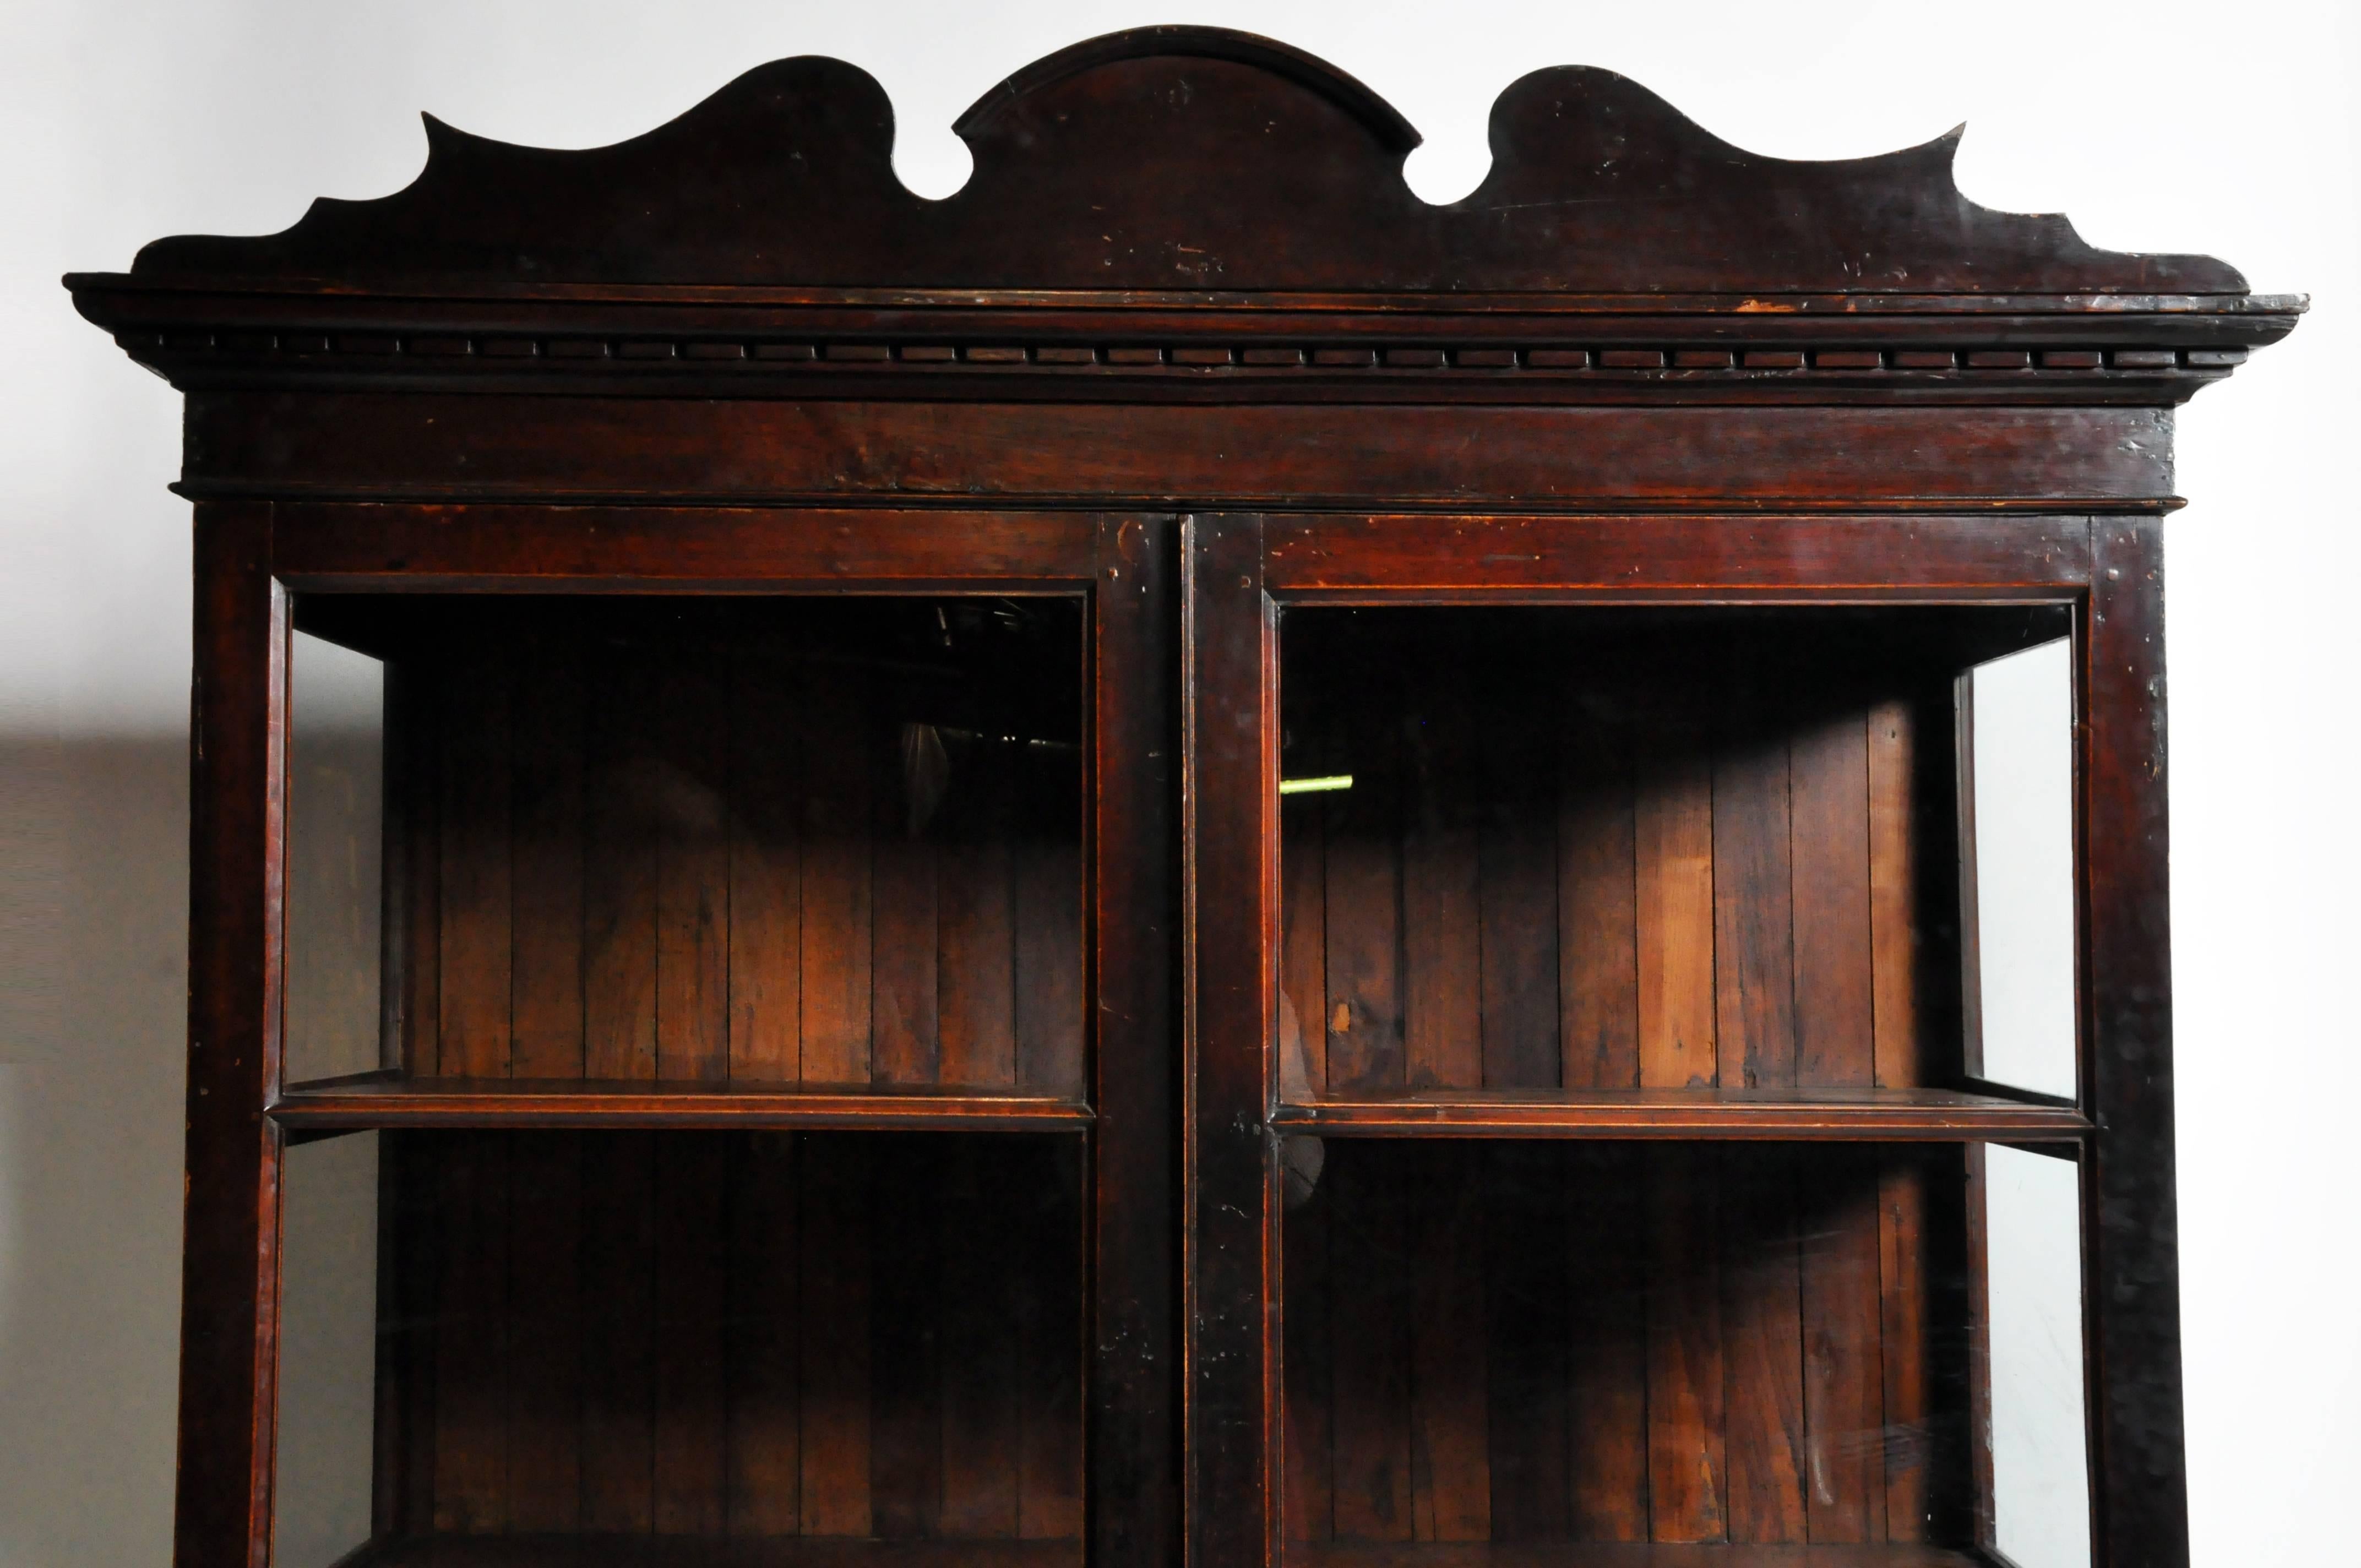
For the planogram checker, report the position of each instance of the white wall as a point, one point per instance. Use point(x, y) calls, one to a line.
point(2164, 126)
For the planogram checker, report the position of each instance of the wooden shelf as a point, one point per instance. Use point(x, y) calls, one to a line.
point(1880, 1115)
point(391, 1099)
point(705, 1551)
point(1630, 1554)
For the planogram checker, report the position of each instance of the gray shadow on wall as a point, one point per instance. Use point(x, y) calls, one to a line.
point(93, 898)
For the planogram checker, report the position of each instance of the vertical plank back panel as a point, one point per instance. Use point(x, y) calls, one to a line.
point(691, 1426)
point(1673, 844)
point(1762, 1345)
point(545, 1217)
point(618, 1294)
point(477, 724)
point(1608, 1350)
point(1450, 1462)
point(905, 977)
point(1834, 974)
point(1599, 986)
point(689, 777)
point(1754, 913)
point(1519, 858)
point(978, 933)
point(545, 984)
point(767, 793)
point(1369, 1312)
point(1526, 1302)
point(619, 869)
point(1442, 919)
point(1364, 900)
point(765, 1341)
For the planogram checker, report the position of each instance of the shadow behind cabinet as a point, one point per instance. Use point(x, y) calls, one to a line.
point(1178, 861)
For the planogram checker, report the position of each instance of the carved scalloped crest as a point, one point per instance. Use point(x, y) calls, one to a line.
point(1189, 158)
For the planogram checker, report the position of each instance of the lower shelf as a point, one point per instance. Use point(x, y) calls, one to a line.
point(705, 1551)
point(1630, 1554)
point(1884, 1116)
point(391, 1099)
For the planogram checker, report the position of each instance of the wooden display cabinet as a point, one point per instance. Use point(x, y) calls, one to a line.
point(1178, 861)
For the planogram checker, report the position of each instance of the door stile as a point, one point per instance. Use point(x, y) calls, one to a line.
point(1228, 637)
point(1134, 1438)
point(2131, 1290)
point(229, 1281)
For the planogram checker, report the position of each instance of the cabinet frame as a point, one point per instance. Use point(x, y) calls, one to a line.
point(254, 557)
point(1245, 569)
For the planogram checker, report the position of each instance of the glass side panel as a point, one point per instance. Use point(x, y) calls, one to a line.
point(2041, 1496)
point(1589, 1348)
point(327, 1349)
point(336, 834)
point(753, 843)
point(2020, 716)
point(692, 1347)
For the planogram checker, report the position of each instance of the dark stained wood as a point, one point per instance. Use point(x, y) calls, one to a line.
point(622, 873)
point(669, 502)
point(1687, 1473)
point(1595, 185)
point(692, 1295)
point(339, 445)
point(619, 1380)
point(475, 882)
point(546, 852)
point(1834, 955)
point(765, 874)
point(2131, 1233)
point(1443, 924)
point(1606, 1496)
point(1451, 1467)
point(1936, 1114)
point(689, 781)
point(763, 1371)
point(229, 1271)
point(1369, 1312)
point(1598, 998)
point(1229, 645)
point(1844, 1425)
point(544, 1219)
point(1763, 1351)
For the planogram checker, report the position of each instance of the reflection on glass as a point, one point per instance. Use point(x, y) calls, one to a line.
point(327, 1349)
point(2020, 718)
point(2040, 1475)
point(335, 770)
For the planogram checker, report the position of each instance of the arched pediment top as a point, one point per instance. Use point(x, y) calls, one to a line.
point(1179, 158)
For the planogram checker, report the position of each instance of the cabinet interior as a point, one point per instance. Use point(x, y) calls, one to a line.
point(1548, 852)
point(730, 843)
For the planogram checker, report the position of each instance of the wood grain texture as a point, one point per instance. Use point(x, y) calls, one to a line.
point(1596, 184)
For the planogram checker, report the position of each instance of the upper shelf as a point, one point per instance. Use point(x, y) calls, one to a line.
point(1879, 1115)
point(1182, 212)
point(391, 1099)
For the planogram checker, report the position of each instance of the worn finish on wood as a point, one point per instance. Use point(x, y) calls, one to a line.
point(229, 1271)
point(1272, 170)
point(1589, 909)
